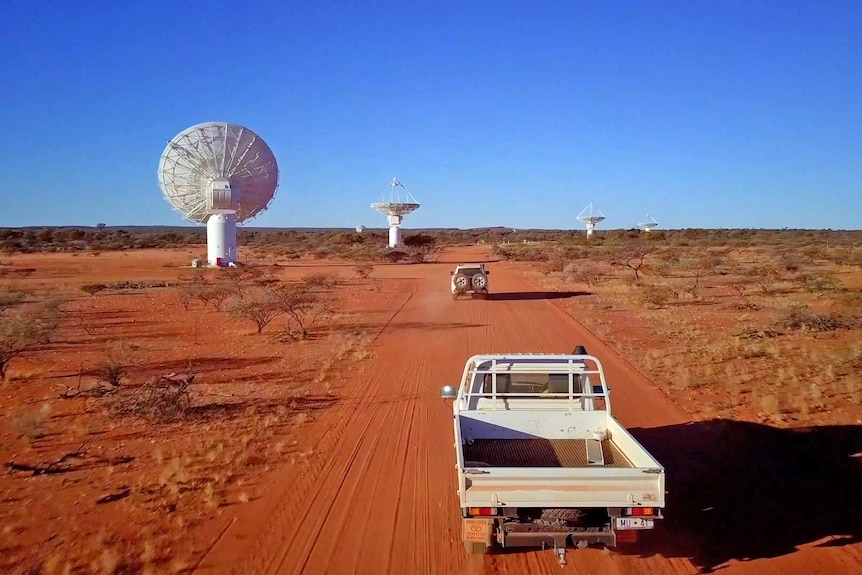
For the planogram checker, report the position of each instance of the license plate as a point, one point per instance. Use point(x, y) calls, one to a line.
point(633, 523)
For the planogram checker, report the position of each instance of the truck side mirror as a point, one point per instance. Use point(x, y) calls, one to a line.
point(448, 392)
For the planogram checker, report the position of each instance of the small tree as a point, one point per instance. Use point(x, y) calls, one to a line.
point(24, 329)
point(766, 277)
point(262, 307)
point(632, 259)
point(189, 293)
point(215, 296)
point(307, 304)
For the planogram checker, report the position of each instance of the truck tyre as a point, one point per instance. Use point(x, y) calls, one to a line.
point(460, 281)
point(479, 282)
point(474, 548)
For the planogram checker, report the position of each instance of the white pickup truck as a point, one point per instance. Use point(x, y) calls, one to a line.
point(540, 459)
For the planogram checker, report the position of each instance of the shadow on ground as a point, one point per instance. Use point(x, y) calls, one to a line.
point(224, 411)
point(524, 296)
point(745, 491)
point(410, 325)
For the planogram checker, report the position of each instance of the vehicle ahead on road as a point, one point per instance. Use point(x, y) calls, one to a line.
point(541, 461)
point(469, 279)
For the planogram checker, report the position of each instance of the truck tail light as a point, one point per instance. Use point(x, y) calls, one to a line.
point(482, 511)
point(648, 511)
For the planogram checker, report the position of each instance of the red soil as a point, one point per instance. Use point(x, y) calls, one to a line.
point(363, 480)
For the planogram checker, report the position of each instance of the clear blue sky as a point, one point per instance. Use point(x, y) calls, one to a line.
point(704, 113)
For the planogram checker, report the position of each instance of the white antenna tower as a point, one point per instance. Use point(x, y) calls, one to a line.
point(395, 207)
point(590, 216)
point(219, 174)
point(649, 224)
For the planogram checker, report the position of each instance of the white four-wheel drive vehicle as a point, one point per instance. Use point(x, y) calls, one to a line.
point(469, 279)
point(540, 459)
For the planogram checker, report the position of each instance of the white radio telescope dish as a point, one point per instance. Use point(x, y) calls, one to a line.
point(399, 203)
point(649, 224)
point(590, 216)
point(220, 174)
point(360, 228)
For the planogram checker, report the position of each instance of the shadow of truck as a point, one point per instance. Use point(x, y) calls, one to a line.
point(745, 491)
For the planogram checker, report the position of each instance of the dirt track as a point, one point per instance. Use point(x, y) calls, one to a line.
point(376, 492)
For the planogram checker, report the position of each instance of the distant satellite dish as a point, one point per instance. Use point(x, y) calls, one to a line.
point(360, 228)
point(590, 216)
point(648, 225)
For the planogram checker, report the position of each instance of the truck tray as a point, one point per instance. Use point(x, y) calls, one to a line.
point(542, 453)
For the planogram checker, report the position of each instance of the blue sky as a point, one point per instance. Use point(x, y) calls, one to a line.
point(703, 113)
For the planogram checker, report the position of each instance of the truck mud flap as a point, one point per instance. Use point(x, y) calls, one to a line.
point(477, 530)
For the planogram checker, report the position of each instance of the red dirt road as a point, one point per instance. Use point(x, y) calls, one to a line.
point(376, 491)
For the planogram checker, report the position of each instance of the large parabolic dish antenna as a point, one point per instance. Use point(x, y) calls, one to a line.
point(398, 204)
point(220, 174)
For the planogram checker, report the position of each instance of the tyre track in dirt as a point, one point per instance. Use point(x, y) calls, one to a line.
point(378, 496)
point(293, 493)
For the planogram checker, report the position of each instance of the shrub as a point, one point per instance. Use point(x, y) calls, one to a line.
point(363, 270)
point(584, 273)
point(10, 298)
point(119, 359)
point(766, 277)
point(800, 318)
point(657, 295)
point(261, 308)
point(817, 283)
point(162, 398)
point(93, 289)
point(395, 256)
point(25, 329)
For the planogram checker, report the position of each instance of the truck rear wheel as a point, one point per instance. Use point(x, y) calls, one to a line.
point(474, 548)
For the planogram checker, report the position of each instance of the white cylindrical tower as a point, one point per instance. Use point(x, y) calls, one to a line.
point(221, 239)
point(395, 231)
